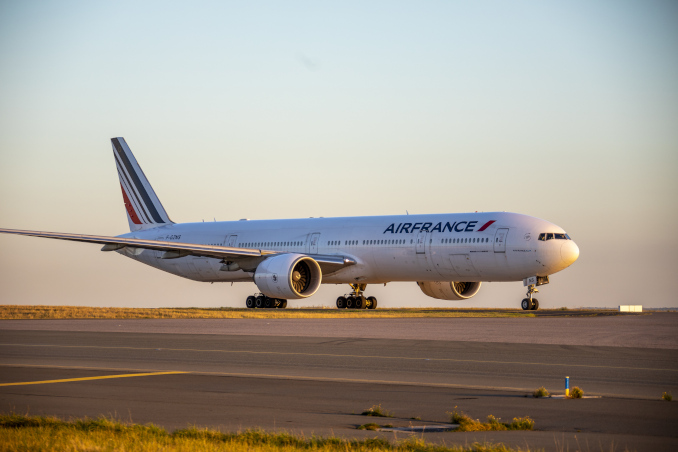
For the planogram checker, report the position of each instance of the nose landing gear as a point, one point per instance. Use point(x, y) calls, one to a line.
point(356, 299)
point(529, 303)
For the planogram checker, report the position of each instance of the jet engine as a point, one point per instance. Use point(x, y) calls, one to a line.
point(446, 290)
point(288, 276)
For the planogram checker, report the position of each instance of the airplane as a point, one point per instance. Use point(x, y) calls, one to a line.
point(447, 255)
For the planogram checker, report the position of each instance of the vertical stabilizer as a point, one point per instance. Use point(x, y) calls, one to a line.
point(144, 210)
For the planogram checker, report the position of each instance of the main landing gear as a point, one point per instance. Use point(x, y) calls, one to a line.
point(356, 299)
point(261, 301)
point(529, 303)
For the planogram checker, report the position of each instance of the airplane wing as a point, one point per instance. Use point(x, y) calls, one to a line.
point(173, 250)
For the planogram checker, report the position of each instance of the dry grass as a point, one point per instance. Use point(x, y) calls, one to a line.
point(576, 393)
point(667, 396)
point(377, 411)
point(369, 426)
point(14, 312)
point(466, 424)
point(23, 433)
point(541, 392)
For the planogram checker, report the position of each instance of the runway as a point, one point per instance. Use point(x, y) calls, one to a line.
point(320, 383)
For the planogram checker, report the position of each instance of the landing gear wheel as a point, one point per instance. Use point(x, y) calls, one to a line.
point(535, 304)
point(526, 304)
point(268, 303)
point(356, 299)
point(251, 302)
point(259, 303)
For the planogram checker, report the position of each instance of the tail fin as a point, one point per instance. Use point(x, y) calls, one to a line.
point(144, 210)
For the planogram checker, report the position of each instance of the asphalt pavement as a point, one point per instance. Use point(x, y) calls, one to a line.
point(320, 384)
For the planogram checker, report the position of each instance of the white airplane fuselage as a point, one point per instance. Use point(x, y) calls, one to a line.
point(437, 247)
point(447, 255)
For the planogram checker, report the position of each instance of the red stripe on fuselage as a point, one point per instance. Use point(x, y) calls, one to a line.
point(485, 226)
point(129, 207)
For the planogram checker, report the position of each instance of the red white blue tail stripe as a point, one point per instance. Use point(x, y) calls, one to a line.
point(143, 207)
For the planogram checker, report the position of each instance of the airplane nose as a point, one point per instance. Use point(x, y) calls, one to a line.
point(569, 252)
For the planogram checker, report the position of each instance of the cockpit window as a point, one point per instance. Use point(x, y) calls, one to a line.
point(553, 235)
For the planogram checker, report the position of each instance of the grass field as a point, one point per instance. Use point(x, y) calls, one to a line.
point(14, 312)
point(28, 433)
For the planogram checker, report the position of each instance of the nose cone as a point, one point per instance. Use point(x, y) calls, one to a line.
point(569, 252)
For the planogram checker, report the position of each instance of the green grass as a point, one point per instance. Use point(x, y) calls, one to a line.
point(541, 392)
point(467, 424)
point(576, 393)
point(28, 433)
point(667, 396)
point(377, 411)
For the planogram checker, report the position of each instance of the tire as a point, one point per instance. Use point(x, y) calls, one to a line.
point(372, 303)
point(360, 302)
point(525, 304)
point(341, 303)
point(269, 303)
point(535, 304)
point(350, 302)
point(260, 302)
point(251, 302)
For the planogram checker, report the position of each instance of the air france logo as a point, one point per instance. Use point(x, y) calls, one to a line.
point(461, 226)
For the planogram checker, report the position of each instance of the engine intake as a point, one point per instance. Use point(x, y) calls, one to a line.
point(288, 276)
point(446, 290)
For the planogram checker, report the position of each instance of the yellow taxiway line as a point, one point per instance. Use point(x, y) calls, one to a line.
point(104, 377)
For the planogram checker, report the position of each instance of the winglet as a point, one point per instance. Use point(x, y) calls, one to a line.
point(144, 209)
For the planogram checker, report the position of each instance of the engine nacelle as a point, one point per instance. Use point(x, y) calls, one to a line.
point(446, 290)
point(288, 276)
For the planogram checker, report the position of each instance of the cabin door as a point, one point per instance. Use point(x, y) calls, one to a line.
point(500, 240)
point(421, 242)
point(313, 243)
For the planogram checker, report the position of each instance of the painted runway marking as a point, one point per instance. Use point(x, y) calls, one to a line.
point(104, 377)
point(333, 355)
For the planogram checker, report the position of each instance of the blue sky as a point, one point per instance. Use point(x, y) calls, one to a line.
point(561, 110)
